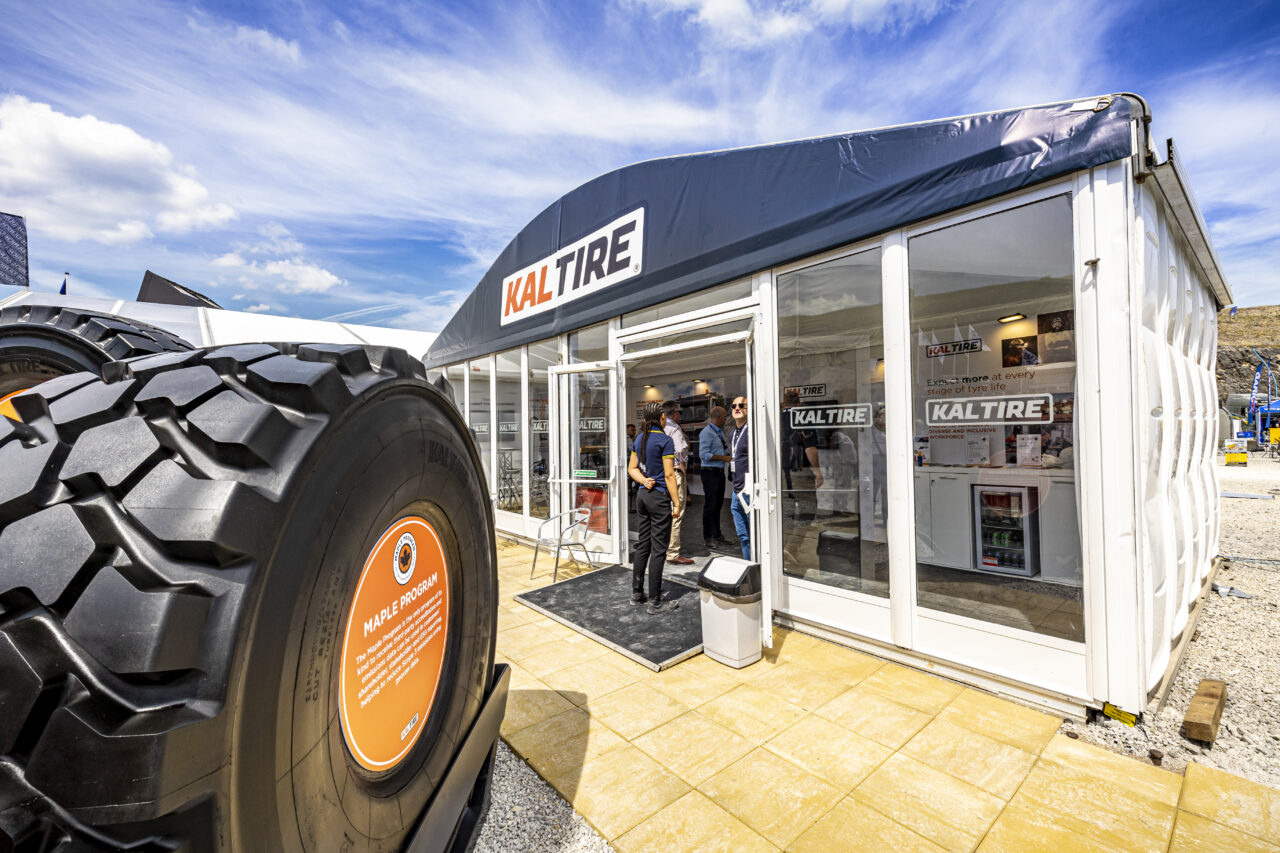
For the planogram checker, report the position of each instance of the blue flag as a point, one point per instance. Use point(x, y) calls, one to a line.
point(63, 291)
point(1234, 309)
point(13, 251)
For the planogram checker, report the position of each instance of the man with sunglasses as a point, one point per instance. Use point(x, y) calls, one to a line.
point(740, 466)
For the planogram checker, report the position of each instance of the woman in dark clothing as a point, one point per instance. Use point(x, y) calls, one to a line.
point(652, 453)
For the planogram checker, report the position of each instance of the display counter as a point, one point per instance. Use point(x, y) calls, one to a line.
point(946, 527)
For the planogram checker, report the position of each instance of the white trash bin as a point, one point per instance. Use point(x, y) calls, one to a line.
point(729, 589)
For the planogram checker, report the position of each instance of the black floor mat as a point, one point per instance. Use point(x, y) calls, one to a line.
point(598, 604)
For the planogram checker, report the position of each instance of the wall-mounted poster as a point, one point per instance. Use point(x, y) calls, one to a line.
point(1019, 351)
point(1057, 338)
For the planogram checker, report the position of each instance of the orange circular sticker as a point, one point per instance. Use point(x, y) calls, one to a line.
point(7, 409)
point(394, 645)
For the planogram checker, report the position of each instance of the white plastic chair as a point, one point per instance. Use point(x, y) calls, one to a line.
point(569, 536)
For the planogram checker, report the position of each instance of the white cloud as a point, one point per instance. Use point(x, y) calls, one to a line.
point(230, 259)
point(297, 276)
point(744, 23)
point(272, 46)
point(259, 308)
point(81, 178)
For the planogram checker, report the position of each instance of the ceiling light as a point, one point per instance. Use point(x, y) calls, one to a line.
point(648, 386)
point(1009, 318)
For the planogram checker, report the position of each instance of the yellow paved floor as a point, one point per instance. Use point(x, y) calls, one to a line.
point(818, 747)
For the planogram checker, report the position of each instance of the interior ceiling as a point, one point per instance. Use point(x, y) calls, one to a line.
point(694, 362)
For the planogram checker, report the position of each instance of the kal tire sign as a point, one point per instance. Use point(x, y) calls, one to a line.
point(605, 257)
point(852, 415)
point(1014, 409)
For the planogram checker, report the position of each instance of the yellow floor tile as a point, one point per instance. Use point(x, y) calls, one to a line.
point(787, 641)
point(1159, 785)
point(952, 814)
point(752, 712)
point(1247, 806)
point(693, 824)
point(522, 639)
point(837, 663)
point(560, 746)
point(554, 656)
point(635, 709)
point(1105, 810)
point(508, 619)
point(854, 827)
point(771, 795)
point(527, 706)
point(1195, 834)
point(873, 716)
point(1002, 720)
point(906, 686)
point(592, 679)
point(800, 686)
point(693, 747)
point(977, 759)
point(621, 788)
point(829, 751)
point(1024, 830)
point(695, 681)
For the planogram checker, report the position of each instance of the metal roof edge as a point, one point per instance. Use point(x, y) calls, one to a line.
point(1173, 182)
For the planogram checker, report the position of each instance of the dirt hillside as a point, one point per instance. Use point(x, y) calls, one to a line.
point(1252, 328)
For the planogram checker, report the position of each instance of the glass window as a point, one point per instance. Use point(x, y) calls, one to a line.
point(456, 374)
point(589, 344)
point(831, 364)
point(994, 375)
point(510, 490)
point(587, 413)
point(480, 413)
point(541, 356)
point(691, 336)
point(719, 295)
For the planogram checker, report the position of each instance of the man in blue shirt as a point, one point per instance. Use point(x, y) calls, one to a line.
point(740, 466)
point(714, 454)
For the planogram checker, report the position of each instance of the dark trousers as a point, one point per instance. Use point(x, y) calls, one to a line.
point(654, 511)
point(712, 502)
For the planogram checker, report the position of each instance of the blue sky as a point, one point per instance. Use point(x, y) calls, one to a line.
point(368, 161)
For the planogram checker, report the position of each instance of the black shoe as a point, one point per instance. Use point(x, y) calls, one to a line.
point(639, 598)
point(657, 607)
point(720, 540)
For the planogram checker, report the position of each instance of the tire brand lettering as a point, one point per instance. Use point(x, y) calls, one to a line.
point(607, 256)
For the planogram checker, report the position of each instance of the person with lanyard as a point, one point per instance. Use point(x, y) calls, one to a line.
point(714, 454)
point(652, 466)
point(740, 467)
point(674, 432)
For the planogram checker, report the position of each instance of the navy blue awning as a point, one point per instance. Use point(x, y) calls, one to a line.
point(709, 218)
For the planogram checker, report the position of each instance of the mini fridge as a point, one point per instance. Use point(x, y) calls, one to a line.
point(1005, 530)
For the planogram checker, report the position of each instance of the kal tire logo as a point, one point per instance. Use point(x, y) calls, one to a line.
point(605, 257)
point(954, 348)
point(1014, 409)
point(854, 415)
point(406, 558)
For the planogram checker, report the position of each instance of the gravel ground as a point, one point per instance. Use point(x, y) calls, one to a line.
point(1239, 643)
point(526, 814)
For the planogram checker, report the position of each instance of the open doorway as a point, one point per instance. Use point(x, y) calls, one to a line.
point(698, 379)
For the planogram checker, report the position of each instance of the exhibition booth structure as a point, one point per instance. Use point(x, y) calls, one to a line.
point(979, 354)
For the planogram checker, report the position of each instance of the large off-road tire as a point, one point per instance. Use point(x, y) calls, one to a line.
point(182, 548)
point(41, 342)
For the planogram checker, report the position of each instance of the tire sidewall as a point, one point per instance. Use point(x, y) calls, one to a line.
point(401, 452)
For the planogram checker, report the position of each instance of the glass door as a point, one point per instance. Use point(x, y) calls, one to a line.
point(583, 473)
point(831, 469)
